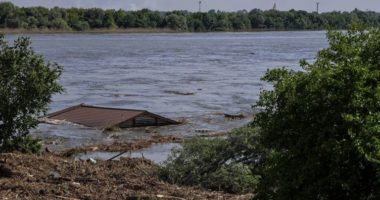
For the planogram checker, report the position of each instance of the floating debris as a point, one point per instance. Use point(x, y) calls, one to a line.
point(52, 121)
point(203, 131)
point(179, 93)
point(91, 160)
point(236, 116)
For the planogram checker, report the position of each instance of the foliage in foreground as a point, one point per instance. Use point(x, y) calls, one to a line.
point(317, 135)
point(27, 84)
point(211, 164)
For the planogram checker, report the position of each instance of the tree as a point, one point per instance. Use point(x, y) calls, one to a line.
point(108, 20)
point(94, 17)
point(59, 24)
point(176, 22)
point(80, 26)
point(210, 21)
point(222, 23)
point(155, 19)
point(120, 18)
point(27, 84)
point(196, 25)
point(257, 19)
point(241, 21)
point(130, 20)
point(32, 22)
point(8, 15)
point(322, 123)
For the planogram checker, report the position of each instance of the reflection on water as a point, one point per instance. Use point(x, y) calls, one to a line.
point(221, 71)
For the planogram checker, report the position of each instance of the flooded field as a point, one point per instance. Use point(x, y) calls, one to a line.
point(195, 78)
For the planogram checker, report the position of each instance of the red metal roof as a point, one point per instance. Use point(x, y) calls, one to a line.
point(101, 117)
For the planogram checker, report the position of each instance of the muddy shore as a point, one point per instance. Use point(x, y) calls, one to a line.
point(49, 176)
point(59, 175)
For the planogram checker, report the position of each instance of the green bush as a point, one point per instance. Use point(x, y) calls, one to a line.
point(323, 123)
point(26, 144)
point(208, 163)
point(80, 26)
point(27, 84)
point(60, 24)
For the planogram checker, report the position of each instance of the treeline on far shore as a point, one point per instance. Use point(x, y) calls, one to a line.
point(80, 19)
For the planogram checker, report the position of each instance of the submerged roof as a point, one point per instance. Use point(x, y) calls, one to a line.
point(93, 116)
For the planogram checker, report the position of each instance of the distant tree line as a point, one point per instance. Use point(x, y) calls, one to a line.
point(79, 19)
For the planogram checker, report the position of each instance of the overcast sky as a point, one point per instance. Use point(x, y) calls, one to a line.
point(192, 5)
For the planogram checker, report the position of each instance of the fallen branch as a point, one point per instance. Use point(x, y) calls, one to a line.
point(118, 155)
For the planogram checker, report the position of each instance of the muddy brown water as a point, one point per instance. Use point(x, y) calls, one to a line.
point(206, 74)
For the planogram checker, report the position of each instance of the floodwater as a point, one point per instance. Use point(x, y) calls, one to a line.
point(158, 153)
point(147, 71)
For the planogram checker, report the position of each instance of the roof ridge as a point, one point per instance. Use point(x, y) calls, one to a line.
point(110, 108)
point(64, 110)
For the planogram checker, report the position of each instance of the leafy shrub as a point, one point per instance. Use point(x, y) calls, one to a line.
point(208, 163)
point(27, 84)
point(59, 24)
point(80, 26)
point(26, 144)
point(322, 123)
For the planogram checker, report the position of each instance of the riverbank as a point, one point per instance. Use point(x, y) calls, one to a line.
point(58, 31)
point(48, 176)
point(128, 30)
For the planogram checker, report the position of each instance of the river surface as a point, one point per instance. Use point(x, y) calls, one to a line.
point(147, 71)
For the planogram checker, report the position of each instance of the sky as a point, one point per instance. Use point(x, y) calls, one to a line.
point(225, 5)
